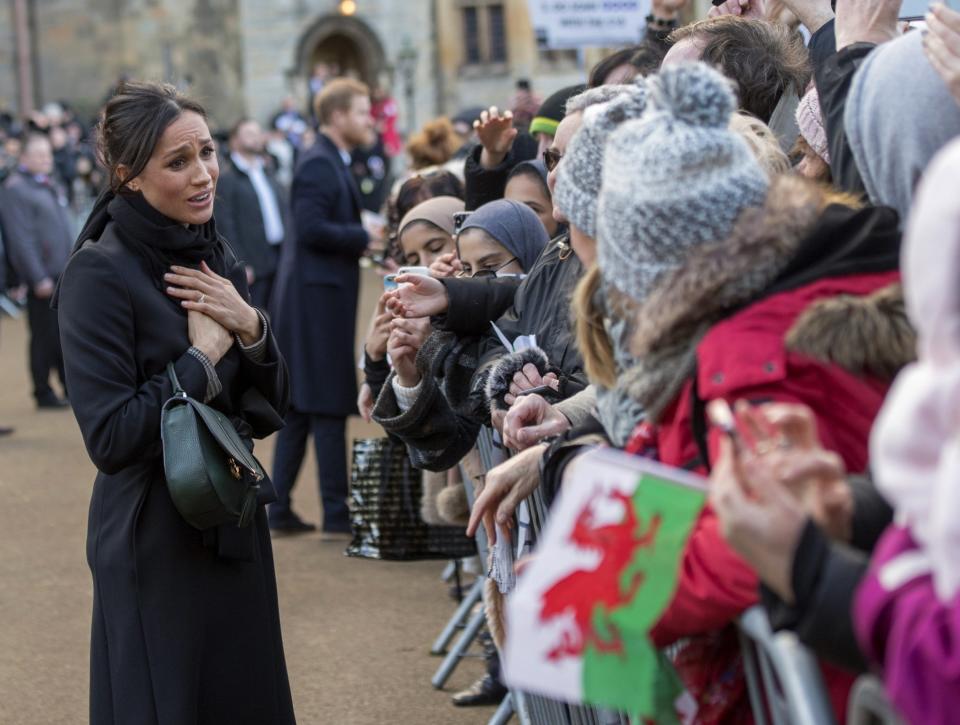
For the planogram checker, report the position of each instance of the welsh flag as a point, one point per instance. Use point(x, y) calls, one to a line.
point(578, 622)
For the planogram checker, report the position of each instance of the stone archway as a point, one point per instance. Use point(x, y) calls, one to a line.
point(347, 43)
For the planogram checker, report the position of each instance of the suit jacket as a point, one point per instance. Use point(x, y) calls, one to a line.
point(39, 231)
point(314, 305)
point(240, 219)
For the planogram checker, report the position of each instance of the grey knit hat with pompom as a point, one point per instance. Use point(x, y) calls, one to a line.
point(673, 180)
point(581, 170)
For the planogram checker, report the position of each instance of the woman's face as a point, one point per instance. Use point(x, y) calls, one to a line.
point(422, 243)
point(479, 252)
point(527, 190)
point(585, 247)
point(813, 167)
point(180, 179)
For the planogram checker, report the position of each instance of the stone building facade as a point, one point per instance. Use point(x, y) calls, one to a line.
point(241, 57)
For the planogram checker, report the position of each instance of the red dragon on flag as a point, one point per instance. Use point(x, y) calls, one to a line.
point(583, 591)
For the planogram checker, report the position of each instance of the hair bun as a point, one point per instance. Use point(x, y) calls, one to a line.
point(438, 131)
point(694, 94)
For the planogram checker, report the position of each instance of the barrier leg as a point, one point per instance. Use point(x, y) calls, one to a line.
point(504, 712)
point(452, 659)
point(474, 595)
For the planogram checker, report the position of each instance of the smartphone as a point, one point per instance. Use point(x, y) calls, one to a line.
point(918, 9)
point(423, 271)
point(459, 217)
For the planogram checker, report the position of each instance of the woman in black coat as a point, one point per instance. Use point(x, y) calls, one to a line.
point(186, 628)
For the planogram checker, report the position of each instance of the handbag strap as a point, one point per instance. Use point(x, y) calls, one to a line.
point(178, 391)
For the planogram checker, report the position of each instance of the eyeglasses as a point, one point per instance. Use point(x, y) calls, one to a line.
point(486, 273)
point(551, 157)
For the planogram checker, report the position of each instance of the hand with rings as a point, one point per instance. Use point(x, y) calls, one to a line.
point(783, 449)
point(204, 291)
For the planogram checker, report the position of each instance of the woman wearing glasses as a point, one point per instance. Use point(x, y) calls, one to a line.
point(426, 401)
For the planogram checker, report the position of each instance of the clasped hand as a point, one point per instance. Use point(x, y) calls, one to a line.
point(205, 293)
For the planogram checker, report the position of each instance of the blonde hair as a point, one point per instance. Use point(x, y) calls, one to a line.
point(337, 95)
point(762, 141)
point(592, 339)
point(434, 144)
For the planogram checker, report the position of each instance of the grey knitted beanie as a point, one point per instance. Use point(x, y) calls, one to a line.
point(581, 170)
point(673, 180)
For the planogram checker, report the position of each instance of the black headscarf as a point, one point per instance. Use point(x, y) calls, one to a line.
point(160, 241)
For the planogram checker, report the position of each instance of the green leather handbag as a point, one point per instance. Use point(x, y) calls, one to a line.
point(212, 478)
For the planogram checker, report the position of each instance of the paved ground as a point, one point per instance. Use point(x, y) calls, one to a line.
point(357, 632)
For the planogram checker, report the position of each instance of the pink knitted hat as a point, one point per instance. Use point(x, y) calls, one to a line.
point(810, 121)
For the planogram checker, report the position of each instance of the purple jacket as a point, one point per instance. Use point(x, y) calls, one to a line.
point(905, 629)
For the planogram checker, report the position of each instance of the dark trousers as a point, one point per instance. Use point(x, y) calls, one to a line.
point(330, 441)
point(45, 354)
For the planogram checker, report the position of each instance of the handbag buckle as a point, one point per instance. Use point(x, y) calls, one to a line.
point(234, 468)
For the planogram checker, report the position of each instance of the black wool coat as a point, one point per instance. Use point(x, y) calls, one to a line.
point(186, 627)
point(314, 304)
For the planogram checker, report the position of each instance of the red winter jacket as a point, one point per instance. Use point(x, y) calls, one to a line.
point(745, 357)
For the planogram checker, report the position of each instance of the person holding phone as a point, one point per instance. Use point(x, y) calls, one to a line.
point(426, 400)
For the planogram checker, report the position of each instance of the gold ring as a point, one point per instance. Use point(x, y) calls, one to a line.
point(764, 447)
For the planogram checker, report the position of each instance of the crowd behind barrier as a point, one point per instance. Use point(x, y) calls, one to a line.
point(732, 251)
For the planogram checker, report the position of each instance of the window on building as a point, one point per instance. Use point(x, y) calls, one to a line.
point(498, 34)
point(471, 35)
point(485, 32)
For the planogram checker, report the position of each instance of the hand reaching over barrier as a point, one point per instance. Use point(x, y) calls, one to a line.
point(530, 420)
point(505, 486)
point(417, 296)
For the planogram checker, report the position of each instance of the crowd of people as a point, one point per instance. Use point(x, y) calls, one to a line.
point(755, 209)
point(735, 215)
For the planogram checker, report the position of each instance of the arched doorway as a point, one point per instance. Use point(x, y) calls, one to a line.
point(346, 46)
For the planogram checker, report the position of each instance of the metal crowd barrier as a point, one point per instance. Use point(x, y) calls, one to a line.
point(869, 704)
point(783, 678)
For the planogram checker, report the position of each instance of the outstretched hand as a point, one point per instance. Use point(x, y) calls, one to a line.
point(866, 21)
point(496, 134)
point(942, 45)
point(505, 486)
point(743, 8)
point(530, 420)
point(417, 296)
point(814, 14)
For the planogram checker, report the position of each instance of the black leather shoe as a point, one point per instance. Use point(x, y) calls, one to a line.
point(290, 523)
point(51, 401)
point(485, 691)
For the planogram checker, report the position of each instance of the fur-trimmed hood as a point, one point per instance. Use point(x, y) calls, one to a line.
point(758, 259)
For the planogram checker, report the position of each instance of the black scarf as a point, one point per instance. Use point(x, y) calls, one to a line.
point(160, 241)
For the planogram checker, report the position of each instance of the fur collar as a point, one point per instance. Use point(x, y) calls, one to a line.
point(715, 280)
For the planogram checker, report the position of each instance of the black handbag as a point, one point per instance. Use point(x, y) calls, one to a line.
point(385, 490)
point(212, 477)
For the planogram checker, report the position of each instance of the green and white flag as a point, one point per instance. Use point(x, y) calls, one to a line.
point(578, 622)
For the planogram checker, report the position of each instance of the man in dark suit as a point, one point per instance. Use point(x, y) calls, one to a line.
point(249, 209)
point(39, 239)
point(314, 305)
